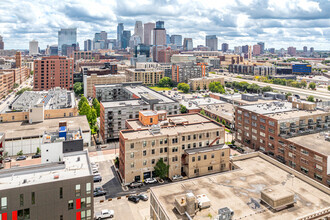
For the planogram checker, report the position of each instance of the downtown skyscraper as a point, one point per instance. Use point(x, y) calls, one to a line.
point(120, 31)
point(67, 36)
point(138, 30)
point(148, 30)
point(211, 41)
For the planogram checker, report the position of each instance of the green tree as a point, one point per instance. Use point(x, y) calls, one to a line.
point(92, 118)
point(165, 82)
point(198, 88)
point(97, 106)
point(183, 109)
point(267, 89)
point(184, 87)
point(38, 150)
point(85, 109)
point(312, 85)
point(161, 169)
point(218, 119)
point(78, 88)
point(202, 112)
point(216, 87)
point(303, 84)
point(23, 90)
point(20, 153)
point(288, 94)
point(223, 122)
point(15, 85)
point(310, 98)
point(328, 88)
point(83, 100)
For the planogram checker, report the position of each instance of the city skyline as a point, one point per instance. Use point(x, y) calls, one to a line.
point(279, 24)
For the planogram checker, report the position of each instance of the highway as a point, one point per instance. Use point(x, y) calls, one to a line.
point(303, 93)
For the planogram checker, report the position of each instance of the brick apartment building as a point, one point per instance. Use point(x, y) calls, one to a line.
point(295, 134)
point(53, 71)
point(8, 77)
point(183, 141)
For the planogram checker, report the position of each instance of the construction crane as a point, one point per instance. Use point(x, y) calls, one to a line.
point(203, 65)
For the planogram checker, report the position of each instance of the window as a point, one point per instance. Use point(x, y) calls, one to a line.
point(210, 168)
point(200, 136)
point(239, 111)
point(33, 198)
point(88, 202)
point(88, 188)
point(132, 155)
point(212, 155)
point(317, 176)
point(144, 153)
point(70, 204)
point(318, 158)
point(254, 130)
point(144, 143)
point(222, 154)
point(303, 151)
point(183, 138)
point(196, 171)
point(292, 147)
point(144, 163)
point(205, 157)
point(218, 133)
point(199, 158)
point(161, 150)
point(262, 127)
point(132, 145)
point(161, 141)
point(188, 146)
point(78, 190)
point(271, 138)
point(21, 199)
point(23, 214)
point(83, 203)
point(153, 161)
point(254, 117)
point(153, 143)
point(318, 167)
point(193, 159)
point(304, 170)
point(303, 160)
point(132, 165)
point(165, 141)
point(195, 136)
point(188, 137)
point(183, 146)
point(165, 149)
point(271, 123)
point(254, 124)
point(3, 203)
point(200, 144)
point(271, 130)
point(61, 192)
point(262, 120)
point(207, 134)
point(153, 151)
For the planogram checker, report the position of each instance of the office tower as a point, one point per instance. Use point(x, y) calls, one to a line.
point(138, 30)
point(88, 45)
point(159, 34)
point(97, 37)
point(188, 44)
point(33, 48)
point(211, 41)
point(168, 39)
point(177, 40)
point(53, 50)
point(272, 50)
point(104, 35)
point(59, 73)
point(160, 24)
point(224, 47)
point(262, 47)
point(245, 49)
point(134, 41)
point(2, 44)
point(292, 51)
point(311, 50)
point(67, 36)
point(142, 49)
point(120, 30)
point(125, 39)
point(305, 49)
point(148, 29)
point(256, 49)
point(238, 49)
point(18, 58)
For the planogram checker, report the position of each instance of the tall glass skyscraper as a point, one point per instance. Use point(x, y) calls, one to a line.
point(120, 30)
point(67, 36)
point(177, 40)
point(125, 39)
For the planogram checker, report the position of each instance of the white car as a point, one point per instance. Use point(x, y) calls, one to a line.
point(105, 213)
point(150, 180)
point(177, 177)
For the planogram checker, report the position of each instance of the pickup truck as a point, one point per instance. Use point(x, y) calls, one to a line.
point(105, 213)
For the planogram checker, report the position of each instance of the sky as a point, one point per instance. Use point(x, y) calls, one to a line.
point(278, 23)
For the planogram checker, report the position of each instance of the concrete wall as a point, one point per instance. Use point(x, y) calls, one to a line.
point(52, 152)
point(28, 146)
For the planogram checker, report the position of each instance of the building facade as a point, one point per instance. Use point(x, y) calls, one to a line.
point(204, 82)
point(67, 36)
point(211, 41)
point(146, 76)
point(147, 33)
point(33, 48)
point(182, 72)
point(94, 79)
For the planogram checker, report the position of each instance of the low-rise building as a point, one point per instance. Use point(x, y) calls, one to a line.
point(171, 139)
point(57, 190)
point(149, 77)
point(204, 82)
point(182, 72)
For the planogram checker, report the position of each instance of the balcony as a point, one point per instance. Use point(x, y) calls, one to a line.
point(302, 124)
point(311, 123)
point(293, 125)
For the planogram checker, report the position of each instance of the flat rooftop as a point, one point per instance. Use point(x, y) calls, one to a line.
point(124, 103)
point(235, 189)
point(70, 135)
point(296, 114)
point(225, 110)
point(44, 173)
point(18, 130)
point(148, 93)
point(170, 130)
point(206, 149)
point(316, 142)
point(190, 118)
point(270, 107)
point(212, 76)
point(196, 103)
point(237, 98)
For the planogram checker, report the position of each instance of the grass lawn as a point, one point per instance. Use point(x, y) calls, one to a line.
point(157, 88)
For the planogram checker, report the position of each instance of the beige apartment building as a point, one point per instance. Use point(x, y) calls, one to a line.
point(94, 79)
point(6, 83)
point(204, 82)
point(171, 139)
point(149, 77)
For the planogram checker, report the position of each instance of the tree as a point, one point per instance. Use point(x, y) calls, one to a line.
point(267, 89)
point(303, 83)
point(3, 156)
point(161, 169)
point(184, 87)
point(23, 90)
point(15, 85)
point(198, 88)
point(202, 112)
point(20, 153)
point(92, 117)
point(78, 88)
point(38, 150)
point(218, 119)
point(312, 85)
point(216, 87)
point(97, 106)
point(83, 99)
point(328, 88)
point(310, 98)
point(223, 122)
point(165, 82)
point(85, 109)
point(183, 109)
point(288, 94)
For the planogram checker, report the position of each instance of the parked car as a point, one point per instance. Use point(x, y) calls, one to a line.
point(150, 180)
point(134, 199)
point(143, 197)
point(136, 184)
point(8, 159)
point(177, 177)
point(97, 178)
point(105, 213)
point(36, 156)
point(94, 165)
point(95, 170)
point(98, 191)
point(21, 158)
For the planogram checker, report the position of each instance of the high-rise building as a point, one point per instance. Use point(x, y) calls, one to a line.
point(134, 41)
point(224, 47)
point(18, 58)
point(271, 50)
point(53, 50)
point(256, 49)
point(138, 30)
point(245, 49)
point(159, 34)
point(311, 50)
point(305, 49)
point(125, 39)
point(292, 51)
point(67, 36)
point(33, 48)
point(2, 44)
point(88, 45)
point(142, 49)
point(262, 47)
point(211, 41)
point(188, 44)
point(148, 31)
point(238, 49)
point(104, 35)
point(160, 24)
point(53, 71)
point(120, 30)
point(177, 40)
point(168, 39)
